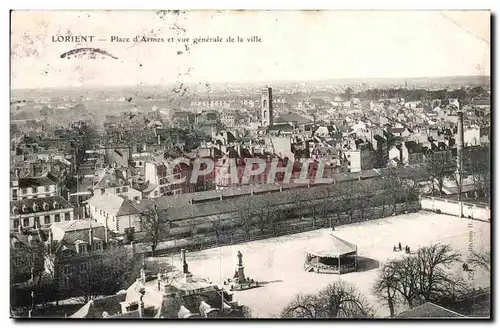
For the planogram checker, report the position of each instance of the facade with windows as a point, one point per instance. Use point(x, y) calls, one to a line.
point(32, 188)
point(75, 246)
point(114, 212)
point(39, 212)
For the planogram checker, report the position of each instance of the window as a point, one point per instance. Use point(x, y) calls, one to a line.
point(24, 191)
point(14, 194)
point(26, 222)
point(102, 191)
point(37, 221)
point(47, 188)
point(82, 248)
point(46, 219)
point(124, 189)
point(98, 246)
point(57, 218)
point(84, 266)
point(117, 190)
point(65, 283)
point(66, 216)
point(67, 270)
point(16, 223)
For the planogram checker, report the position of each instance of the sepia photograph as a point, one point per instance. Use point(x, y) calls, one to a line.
point(250, 164)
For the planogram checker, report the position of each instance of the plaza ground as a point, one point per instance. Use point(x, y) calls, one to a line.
point(277, 263)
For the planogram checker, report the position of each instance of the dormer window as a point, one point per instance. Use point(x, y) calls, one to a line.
point(15, 210)
point(81, 247)
point(25, 208)
point(35, 207)
point(45, 206)
point(55, 205)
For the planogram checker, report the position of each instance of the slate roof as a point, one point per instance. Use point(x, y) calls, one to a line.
point(19, 204)
point(429, 310)
point(112, 204)
point(35, 182)
point(292, 117)
point(95, 308)
point(75, 225)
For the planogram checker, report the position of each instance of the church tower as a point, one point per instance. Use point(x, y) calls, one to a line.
point(267, 106)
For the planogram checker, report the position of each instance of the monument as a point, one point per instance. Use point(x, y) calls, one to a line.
point(239, 280)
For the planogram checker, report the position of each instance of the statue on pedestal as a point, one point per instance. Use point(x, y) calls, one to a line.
point(240, 259)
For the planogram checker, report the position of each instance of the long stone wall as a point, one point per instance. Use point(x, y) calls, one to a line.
point(452, 207)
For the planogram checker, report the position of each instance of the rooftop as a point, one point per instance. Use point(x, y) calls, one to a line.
point(429, 310)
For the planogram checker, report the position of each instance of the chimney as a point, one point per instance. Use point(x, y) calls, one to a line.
point(51, 239)
point(106, 233)
point(460, 141)
point(238, 148)
point(91, 236)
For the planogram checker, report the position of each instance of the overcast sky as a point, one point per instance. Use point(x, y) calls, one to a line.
point(295, 46)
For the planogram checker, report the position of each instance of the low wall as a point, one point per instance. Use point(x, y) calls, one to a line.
point(452, 207)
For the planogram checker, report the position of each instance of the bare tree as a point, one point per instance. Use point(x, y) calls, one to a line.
point(438, 166)
point(337, 300)
point(385, 287)
point(481, 259)
point(217, 226)
point(245, 210)
point(477, 162)
point(417, 278)
point(104, 274)
point(432, 260)
point(407, 275)
point(155, 226)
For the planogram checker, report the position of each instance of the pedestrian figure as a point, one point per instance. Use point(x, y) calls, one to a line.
point(400, 248)
point(466, 267)
point(394, 249)
point(463, 266)
point(333, 228)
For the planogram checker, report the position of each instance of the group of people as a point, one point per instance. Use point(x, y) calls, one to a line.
point(400, 248)
point(465, 267)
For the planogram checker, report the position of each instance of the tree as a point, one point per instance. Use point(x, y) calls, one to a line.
point(155, 226)
point(337, 300)
point(438, 166)
point(347, 198)
point(419, 278)
point(348, 93)
point(477, 162)
point(385, 287)
point(245, 210)
point(481, 260)
point(217, 227)
point(432, 260)
point(104, 274)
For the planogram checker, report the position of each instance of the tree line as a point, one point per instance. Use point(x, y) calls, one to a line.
point(464, 95)
point(290, 210)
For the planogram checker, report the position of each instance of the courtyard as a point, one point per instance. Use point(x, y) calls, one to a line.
point(278, 263)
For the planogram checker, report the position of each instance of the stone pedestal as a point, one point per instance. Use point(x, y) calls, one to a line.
point(239, 280)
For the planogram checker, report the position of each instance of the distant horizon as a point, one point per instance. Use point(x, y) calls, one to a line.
point(256, 83)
